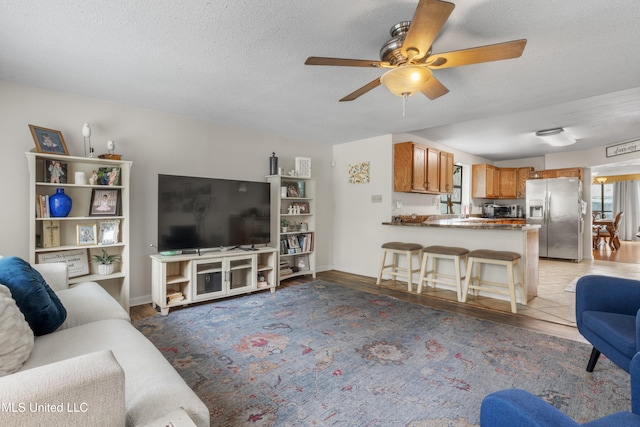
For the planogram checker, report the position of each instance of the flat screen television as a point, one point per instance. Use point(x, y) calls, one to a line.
point(202, 213)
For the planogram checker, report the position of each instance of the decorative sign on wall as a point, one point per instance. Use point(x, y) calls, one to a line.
point(359, 173)
point(623, 148)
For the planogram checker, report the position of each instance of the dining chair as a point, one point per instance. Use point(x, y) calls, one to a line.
point(611, 235)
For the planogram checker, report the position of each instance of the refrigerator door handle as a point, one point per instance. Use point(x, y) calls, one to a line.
point(545, 216)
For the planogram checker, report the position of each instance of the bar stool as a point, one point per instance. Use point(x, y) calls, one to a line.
point(399, 248)
point(486, 256)
point(442, 252)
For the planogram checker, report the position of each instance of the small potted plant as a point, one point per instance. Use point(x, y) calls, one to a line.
point(105, 262)
point(285, 225)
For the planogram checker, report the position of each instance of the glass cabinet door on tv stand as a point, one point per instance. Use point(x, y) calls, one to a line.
point(293, 224)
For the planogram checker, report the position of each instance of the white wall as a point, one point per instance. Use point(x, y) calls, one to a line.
point(156, 142)
point(358, 231)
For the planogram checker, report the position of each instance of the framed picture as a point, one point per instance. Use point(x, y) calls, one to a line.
point(55, 171)
point(104, 202)
point(86, 234)
point(77, 260)
point(109, 176)
point(48, 140)
point(302, 262)
point(292, 190)
point(109, 232)
point(303, 167)
point(303, 206)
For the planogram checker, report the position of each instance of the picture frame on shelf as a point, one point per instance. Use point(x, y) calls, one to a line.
point(109, 231)
point(104, 202)
point(86, 234)
point(302, 262)
point(303, 167)
point(55, 171)
point(292, 190)
point(294, 246)
point(302, 206)
point(48, 140)
point(109, 175)
point(77, 261)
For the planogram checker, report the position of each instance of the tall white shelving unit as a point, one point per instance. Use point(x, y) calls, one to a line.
point(116, 283)
point(293, 204)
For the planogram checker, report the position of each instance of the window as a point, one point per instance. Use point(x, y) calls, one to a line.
point(452, 203)
point(602, 200)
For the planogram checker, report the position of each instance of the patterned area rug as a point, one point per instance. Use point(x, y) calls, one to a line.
point(322, 354)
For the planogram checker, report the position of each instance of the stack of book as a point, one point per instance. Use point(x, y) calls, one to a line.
point(174, 296)
point(42, 206)
point(285, 270)
point(296, 243)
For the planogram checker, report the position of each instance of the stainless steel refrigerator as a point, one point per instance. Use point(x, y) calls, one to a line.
point(556, 205)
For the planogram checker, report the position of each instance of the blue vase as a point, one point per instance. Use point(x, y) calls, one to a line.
point(59, 204)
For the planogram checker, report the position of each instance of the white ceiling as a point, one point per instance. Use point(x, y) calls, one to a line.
point(241, 63)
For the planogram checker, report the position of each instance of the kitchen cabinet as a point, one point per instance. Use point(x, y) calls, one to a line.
point(524, 174)
point(433, 171)
point(490, 182)
point(409, 168)
point(559, 173)
point(419, 169)
point(508, 183)
point(485, 181)
point(446, 172)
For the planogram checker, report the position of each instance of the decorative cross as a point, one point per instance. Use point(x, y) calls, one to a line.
point(50, 228)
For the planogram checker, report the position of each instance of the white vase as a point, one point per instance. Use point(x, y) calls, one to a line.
point(105, 269)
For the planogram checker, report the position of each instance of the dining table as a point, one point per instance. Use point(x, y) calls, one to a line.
point(614, 241)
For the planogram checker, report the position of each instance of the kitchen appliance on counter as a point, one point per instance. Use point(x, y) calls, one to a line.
point(556, 205)
point(492, 210)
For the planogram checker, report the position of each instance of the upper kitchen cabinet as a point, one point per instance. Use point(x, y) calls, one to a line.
point(485, 181)
point(433, 171)
point(419, 169)
point(508, 183)
point(559, 173)
point(446, 172)
point(409, 168)
point(490, 182)
point(523, 175)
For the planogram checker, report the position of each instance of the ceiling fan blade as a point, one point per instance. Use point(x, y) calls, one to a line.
point(434, 89)
point(319, 60)
point(475, 55)
point(427, 21)
point(364, 89)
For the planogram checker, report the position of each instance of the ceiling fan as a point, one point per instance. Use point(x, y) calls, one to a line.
point(408, 55)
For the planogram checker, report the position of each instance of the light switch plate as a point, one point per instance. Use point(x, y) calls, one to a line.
point(376, 198)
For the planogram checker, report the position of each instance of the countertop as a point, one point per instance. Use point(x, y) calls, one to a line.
point(467, 223)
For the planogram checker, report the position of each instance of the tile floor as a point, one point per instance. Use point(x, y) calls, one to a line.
point(553, 303)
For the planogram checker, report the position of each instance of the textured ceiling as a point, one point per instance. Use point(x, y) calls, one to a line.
point(241, 63)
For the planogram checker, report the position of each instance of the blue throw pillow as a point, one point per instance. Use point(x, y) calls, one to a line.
point(35, 299)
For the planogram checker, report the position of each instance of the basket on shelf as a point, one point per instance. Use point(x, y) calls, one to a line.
point(410, 219)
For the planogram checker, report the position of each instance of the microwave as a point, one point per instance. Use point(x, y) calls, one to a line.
point(492, 210)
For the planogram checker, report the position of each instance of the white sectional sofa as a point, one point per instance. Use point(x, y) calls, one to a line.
point(96, 369)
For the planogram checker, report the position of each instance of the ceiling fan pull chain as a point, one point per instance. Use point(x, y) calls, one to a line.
point(405, 97)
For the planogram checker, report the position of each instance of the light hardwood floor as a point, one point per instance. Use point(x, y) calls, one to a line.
point(551, 312)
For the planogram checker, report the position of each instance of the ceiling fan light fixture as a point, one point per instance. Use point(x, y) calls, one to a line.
point(557, 137)
point(406, 80)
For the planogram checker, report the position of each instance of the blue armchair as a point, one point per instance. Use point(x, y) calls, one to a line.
point(607, 310)
point(519, 408)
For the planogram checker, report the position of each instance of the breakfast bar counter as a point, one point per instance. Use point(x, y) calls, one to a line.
point(477, 233)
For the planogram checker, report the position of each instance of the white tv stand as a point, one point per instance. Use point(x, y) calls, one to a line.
point(178, 280)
